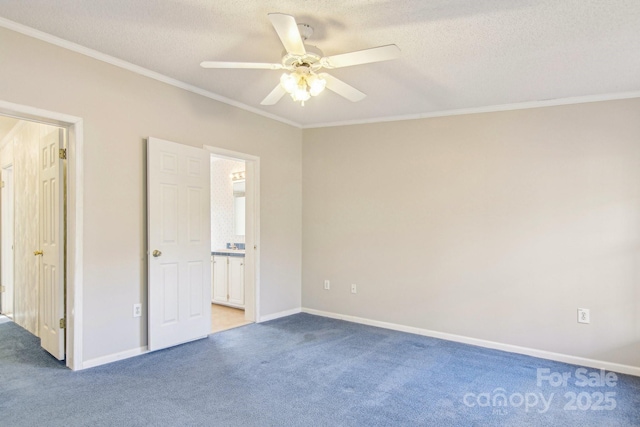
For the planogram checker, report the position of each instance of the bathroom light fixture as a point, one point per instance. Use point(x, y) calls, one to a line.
point(237, 176)
point(303, 83)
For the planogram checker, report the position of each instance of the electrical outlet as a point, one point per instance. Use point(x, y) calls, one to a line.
point(327, 285)
point(353, 288)
point(583, 315)
point(137, 310)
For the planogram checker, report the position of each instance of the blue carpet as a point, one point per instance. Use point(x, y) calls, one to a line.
point(306, 370)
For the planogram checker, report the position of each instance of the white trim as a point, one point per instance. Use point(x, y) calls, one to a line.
point(74, 47)
point(558, 357)
point(252, 168)
point(280, 314)
point(103, 360)
point(487, 109)
point(75, 184)
point(223, 153)
point(75, 245)
point(256, 236)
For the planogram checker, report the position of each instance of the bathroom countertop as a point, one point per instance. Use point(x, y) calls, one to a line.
point(228, 252)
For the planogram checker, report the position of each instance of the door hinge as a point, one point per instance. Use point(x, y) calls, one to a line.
point(2, 289)
point(63, 323)
point(62, 153)
point(2, 184)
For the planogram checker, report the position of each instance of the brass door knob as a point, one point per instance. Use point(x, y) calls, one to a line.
point(156, 253)
point(36, 253)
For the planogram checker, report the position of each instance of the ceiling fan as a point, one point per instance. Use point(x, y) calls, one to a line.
point(302, 64)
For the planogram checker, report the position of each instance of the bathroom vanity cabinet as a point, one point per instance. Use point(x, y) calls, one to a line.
point(227, 279)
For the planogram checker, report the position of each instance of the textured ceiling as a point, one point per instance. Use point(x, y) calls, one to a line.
point(456, 54)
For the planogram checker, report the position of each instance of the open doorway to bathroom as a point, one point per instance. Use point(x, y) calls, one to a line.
point(228, 244)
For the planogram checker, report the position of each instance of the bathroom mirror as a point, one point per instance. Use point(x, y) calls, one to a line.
point(238, 207)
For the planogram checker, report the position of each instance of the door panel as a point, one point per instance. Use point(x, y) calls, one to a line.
point(51, 244)
point(220, 279)
point(236, 281)
point(196, 288)
point(179, 233)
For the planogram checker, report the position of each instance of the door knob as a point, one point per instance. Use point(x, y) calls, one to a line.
point(156, 253)
point(36, 253)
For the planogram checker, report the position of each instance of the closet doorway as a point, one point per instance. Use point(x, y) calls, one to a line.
point(32, 158)
point(42, 156)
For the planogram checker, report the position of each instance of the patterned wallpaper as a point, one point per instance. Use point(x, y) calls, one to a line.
point(222, 228)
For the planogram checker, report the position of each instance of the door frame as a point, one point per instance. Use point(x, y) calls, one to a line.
point(74, 202)
point(8, 214)
point(252, 228)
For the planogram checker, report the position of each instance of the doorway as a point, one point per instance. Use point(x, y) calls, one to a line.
point(63, 317)
point(179, 242)
point(228, 244)
point(33, 266)
point(234, 238)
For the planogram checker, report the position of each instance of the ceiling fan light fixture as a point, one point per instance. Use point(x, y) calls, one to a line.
point(303, 61)
point(301, 94)
point(316, 85)
point(302, 84)
point(289, 82)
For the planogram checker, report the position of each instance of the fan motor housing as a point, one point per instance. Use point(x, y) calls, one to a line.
point(310, 59)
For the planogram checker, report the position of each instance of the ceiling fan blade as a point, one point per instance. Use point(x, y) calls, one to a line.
point(342, 89)
point(275, 95)
point(287, 30)
point(257, 65)
point(375, 54)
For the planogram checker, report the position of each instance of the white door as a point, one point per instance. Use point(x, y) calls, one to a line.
point(51, 244)
point(7, 242)
point(179, 233)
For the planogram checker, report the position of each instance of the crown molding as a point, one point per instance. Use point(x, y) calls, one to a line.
point(74, 47)
point(487, 109)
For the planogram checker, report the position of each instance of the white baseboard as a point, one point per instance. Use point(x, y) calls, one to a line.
point(103, 360)
point(558, 357)
point(280, 314)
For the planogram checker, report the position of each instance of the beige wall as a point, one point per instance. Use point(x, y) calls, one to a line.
point(120, 109)
point(493, 226)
